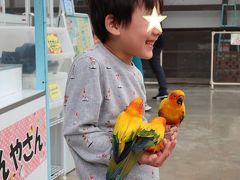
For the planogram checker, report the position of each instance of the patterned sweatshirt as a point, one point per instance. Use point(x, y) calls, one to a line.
point(99, 87)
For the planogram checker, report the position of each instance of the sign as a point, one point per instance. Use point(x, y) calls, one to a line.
point(53, 43)
point(235, 39)
point(80, 32)
point(54, 91)
point(68, 7)
point(23, 146)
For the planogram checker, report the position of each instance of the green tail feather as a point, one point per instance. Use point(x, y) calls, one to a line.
point(121, 170)
point(111, 167)
point(121, 164)
point(114, 169)
point(130, 162)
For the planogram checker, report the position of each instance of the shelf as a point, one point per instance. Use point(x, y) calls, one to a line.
point(13, 19)
point(27, 36)
point(56, 171)
point(10, 102)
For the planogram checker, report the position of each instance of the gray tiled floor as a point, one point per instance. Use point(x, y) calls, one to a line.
point(208, 145)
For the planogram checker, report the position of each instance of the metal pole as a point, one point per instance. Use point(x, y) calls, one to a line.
point(42, 65)
point(2, 3)
point(51, 12)
point(27, 10)
point(161, 57)
point(212, 56)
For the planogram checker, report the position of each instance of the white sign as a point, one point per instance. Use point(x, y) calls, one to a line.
point(235, 39)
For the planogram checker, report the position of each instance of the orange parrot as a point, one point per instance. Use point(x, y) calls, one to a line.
point(172, 108)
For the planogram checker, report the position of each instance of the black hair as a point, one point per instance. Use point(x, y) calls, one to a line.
point(121, 10)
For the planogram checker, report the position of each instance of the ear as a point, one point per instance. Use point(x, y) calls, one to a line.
point(111, 25)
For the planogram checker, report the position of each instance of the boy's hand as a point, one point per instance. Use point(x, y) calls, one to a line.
point(170, 132)
point(157, 159)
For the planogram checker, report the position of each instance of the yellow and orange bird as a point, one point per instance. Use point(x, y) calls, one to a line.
point(124, 134)
point(149, 134)
point(172, 108)
point(159, 145)
point(128, 123)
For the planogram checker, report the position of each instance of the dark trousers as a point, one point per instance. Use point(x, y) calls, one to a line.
point(158, 71)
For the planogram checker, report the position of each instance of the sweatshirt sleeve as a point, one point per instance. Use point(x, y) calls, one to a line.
point(83, 99)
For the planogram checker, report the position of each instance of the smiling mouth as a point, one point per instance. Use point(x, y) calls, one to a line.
point(150, 43)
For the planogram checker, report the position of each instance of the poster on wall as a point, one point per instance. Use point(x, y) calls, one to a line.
point(80, 32)
point(235, 39)
point(23, 146)
point(192, 2)
point(54, 44)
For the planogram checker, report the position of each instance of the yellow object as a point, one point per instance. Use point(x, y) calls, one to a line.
point(172, 108)
point(54, 91)
point(53, 43)
point(149, 135)
point(128, 123)
point(157, 124)
point(131, 137)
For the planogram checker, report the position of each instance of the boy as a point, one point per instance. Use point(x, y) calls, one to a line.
point(103, 81)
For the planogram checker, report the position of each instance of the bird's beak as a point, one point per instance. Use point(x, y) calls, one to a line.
point(180, 100)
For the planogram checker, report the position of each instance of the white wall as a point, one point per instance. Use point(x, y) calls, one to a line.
point(196, 19)
point(21, 3)
point(191, 19)
point(195, 2)
point(180, 19)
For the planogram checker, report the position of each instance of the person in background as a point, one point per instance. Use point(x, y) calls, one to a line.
point(156, 67)
point(138, 63)
point(158, 71)
point(102, 82)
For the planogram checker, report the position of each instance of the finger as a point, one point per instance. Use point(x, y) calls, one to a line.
point(168, 127)
point(165, 140)
point(167, 150)
point(150, 159)
point(174, 136)
point(170, 145)
point(162, 156)
point(173, 144)
point(144, 158)
point(153, 157)
point(174, 129)
point(168, 135)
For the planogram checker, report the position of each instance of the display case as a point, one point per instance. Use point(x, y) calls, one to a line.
point(17, 58)
point(22, 110)
point(23, 129)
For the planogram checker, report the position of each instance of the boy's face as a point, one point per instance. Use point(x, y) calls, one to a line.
point(134, 40)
